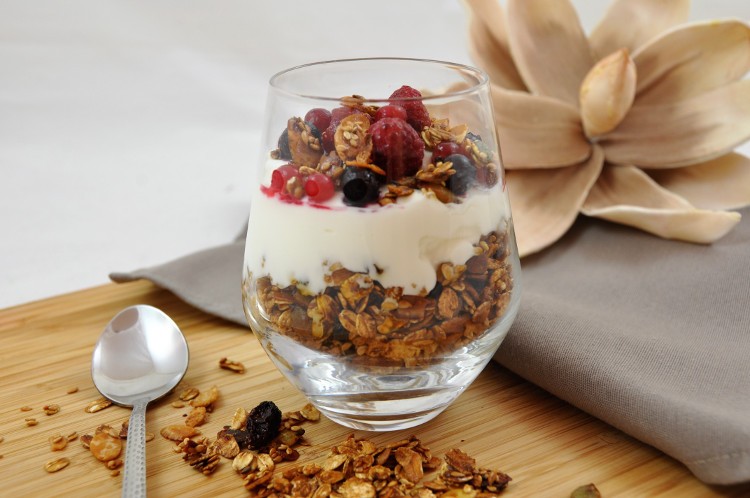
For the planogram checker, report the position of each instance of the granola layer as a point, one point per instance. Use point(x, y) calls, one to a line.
point(357, 316)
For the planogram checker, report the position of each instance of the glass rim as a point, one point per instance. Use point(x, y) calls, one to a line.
point(482, 78)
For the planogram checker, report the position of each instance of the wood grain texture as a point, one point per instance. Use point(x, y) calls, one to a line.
point(546, 445)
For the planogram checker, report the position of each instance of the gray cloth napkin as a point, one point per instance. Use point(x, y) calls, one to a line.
point(651, 336)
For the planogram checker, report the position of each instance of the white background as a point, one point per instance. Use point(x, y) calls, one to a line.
point(127, 128)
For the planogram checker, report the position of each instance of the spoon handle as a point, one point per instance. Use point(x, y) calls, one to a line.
point(134, 477)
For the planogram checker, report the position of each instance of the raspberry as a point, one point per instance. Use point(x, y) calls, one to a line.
point(391, 111)
point(417, 115)
point(397, 148)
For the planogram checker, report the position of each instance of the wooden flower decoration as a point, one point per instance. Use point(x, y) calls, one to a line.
point(635, 123)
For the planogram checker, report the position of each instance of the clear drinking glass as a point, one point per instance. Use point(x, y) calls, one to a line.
point(381, 271)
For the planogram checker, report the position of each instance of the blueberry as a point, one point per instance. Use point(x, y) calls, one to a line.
point(465, 175)
point(360, 185)
point(283, 145)
point(314, 130)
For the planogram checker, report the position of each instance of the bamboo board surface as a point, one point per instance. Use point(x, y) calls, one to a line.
point(547, 446)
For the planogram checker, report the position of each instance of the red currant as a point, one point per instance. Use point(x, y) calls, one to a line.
point(281, 176)
point(391, 111)
point(319, 187)
point(319, 118)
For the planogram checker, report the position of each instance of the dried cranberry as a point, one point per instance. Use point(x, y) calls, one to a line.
point(411, 99)
point(263, 423)
point(397, 148)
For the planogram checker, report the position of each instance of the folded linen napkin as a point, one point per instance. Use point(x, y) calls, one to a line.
point(651, 336)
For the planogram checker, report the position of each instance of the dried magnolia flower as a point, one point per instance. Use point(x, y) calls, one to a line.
point(634, 126)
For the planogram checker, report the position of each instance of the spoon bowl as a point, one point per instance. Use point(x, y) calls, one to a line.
point(140, 356)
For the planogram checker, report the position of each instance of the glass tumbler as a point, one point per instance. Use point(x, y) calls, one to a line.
point(381, 271)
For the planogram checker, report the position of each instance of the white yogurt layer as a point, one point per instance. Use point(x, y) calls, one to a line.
point(400, 245)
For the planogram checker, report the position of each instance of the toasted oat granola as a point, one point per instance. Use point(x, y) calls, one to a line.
point(356, 316)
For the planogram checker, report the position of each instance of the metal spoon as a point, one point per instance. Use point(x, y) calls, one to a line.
point(140, 356)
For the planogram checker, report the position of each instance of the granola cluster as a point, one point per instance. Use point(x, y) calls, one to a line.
point(357, 468)
point(356, 316)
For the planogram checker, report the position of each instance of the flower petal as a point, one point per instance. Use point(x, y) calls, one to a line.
point(545, 203)
point(692, 59)
point(607, 93)
point(631, 23)
point(723, 183)
point(536, 131)
point(488, 43)
point(626, 195)
point(549, 46)
point(682, 133)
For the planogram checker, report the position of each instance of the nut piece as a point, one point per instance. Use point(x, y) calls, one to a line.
point(86, 440)
point(309, 412)
point(206, 398)
point(58, 442)
point(178, 404)
point(150, 436)
point(51, 409)
point(189, 393)
point(55, 465)
point(587, 491)
point(97, 405)
point(240, 419)
point(31, 421)
point(225, 445)
point(234, 366)
point(26, 408)
point(105, 447)
point(72, 390)
point(197, 416)
point(242, 461)
point(178, 432)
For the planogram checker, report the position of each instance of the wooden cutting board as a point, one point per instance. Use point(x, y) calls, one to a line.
point(547, 446)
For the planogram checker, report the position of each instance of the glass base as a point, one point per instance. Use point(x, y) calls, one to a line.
point(376, 412)
point(370, 394)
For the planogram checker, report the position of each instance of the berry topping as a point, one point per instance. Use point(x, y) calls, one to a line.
point(281, 176)
point(318, 117)
point(337, 115)
point(465, 174)
point(283, 146)
point(417, 115)
point(360, 185)
point(445, 149)
point(319, 187)
point(397, 148)
point(391, 111)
